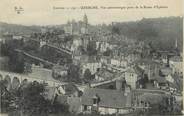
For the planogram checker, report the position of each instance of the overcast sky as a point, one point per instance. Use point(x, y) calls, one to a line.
point(41, 12)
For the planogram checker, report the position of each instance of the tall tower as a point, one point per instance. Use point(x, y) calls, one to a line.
point(85, 21)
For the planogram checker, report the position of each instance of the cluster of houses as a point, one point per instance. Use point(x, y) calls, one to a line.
point(127, 75)
point(121, 93)
point(120, 88)
point(125, 71)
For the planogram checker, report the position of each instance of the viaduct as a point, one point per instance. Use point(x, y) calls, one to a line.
point(14, 80)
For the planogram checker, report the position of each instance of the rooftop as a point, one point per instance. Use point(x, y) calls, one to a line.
point(176, 59)
point(105, 74)
point(70, 88)
point(108, 98)
point(166, 71)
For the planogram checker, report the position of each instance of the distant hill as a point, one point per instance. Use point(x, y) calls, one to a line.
point(18, 29)
point(162, 32)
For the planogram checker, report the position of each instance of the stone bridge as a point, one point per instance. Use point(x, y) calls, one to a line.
point(14, 80)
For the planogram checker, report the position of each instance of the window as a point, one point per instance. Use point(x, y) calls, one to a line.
point(94, 101)
point(85, 107)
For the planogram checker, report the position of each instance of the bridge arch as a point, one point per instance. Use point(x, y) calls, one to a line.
point(11, 82)
point(15, 83)
point(35, 82)
point(7, 82)
point(24, 82)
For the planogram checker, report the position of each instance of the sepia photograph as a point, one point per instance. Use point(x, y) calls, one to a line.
point(91, 58)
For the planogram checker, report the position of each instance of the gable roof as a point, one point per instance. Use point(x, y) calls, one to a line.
point(70, 88)
point(62, 99)
point(146, 62)
point(176, 59)
point(166, 71)
point(131, 70)
point(159, 79)
point(59, 68)
point(136, 70)
point(153, 98)
point(105, 74)
point(108, 98)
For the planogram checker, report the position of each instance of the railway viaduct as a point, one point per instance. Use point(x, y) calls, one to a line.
point(14, 80)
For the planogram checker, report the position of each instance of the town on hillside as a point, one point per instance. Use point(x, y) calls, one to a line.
point(82, 69)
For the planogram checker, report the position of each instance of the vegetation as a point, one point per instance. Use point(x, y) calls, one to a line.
point(74, 73)
point(162, 32)
point(28, 100)
point(16, 61)
point(87, 76)
point(7, 98)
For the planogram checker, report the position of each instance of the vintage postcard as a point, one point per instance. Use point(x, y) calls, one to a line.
point(91, 57)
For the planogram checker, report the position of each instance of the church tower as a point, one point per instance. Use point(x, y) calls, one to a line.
point(85, 21)
point(84, 28)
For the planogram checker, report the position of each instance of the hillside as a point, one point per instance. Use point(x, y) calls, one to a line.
point(18, 29)
point(162, 32)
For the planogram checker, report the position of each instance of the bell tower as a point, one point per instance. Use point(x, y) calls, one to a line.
point(84, 28)
point(85, 21)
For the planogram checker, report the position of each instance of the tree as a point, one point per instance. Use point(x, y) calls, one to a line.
point(6, 99)
point(87, 75)
point(58, 108)
point(4, 51)
point(31, 101)
point(16, 63)
point(73, 73)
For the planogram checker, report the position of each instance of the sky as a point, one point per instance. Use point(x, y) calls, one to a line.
point(41, 12)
